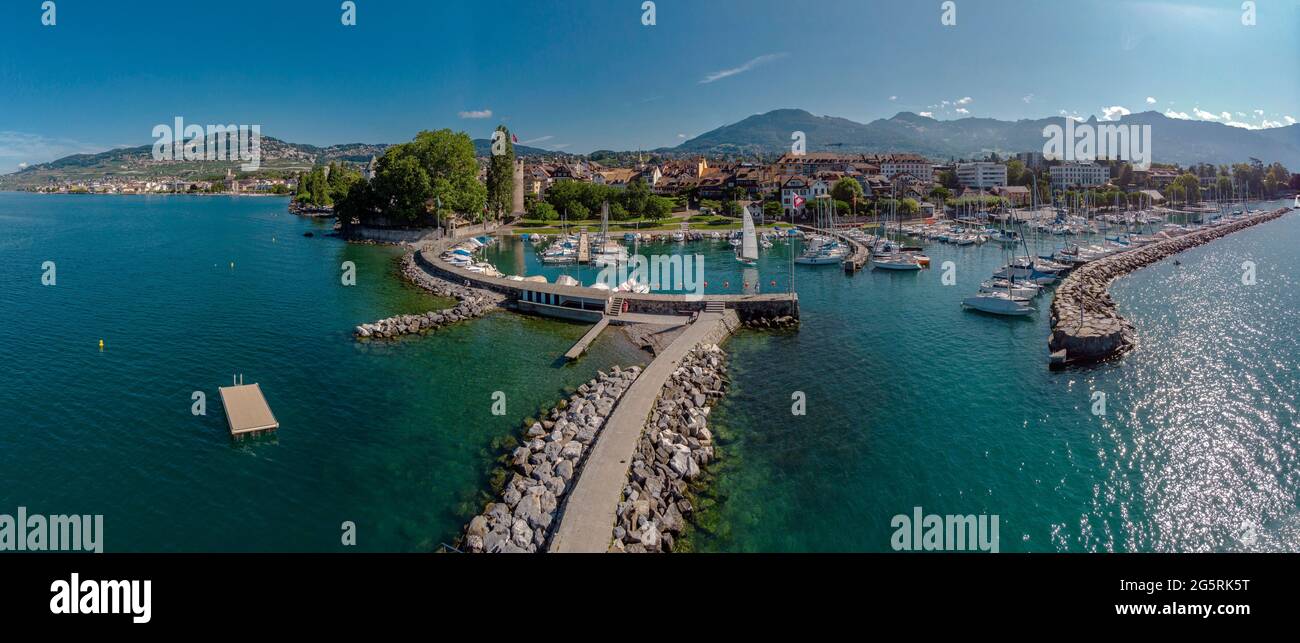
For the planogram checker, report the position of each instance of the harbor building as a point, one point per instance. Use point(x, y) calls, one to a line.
point(1072, 174)
point(981, 175)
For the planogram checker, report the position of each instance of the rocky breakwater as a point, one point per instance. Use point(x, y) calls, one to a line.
point(544, 467)
point(1085, 322)
point(471, 303)
point(675, 445)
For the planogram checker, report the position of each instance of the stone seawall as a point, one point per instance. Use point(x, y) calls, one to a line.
point(1085, 322)
point(472, 303)
point(541, 470)
point(675, 445)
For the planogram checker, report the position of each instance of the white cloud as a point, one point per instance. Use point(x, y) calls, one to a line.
point(1289, 120)
point(928, 114)
point(540, 139)
point(963, 110)
point(1151, 100)
point(1241, 114)
point(1227, 116)
point(1113, 112)
point(752, 63)
point(893, 98)
point(1204, 115)
point(478, 113)
point(1179, 115)
point(681, 136)
point(1259, 112)
point(21, 149)
point(965, 101)
point(1027, 98)
point(560, 146)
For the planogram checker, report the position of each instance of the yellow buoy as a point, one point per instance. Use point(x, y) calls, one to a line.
point(101, 344)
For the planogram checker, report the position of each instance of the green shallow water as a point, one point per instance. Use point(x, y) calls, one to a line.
point(910, 400)
point(393, 437)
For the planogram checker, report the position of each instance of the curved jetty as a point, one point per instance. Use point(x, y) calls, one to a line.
point(1085, 322)
point(472, 302)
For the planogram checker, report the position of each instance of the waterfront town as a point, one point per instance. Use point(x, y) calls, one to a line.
point(713, 183)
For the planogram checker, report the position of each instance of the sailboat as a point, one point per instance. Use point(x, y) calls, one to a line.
point(608, 253)
point(893, 258)
point(747, 253)
point(821, 249)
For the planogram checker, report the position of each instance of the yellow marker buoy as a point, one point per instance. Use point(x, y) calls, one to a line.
point(101, 344)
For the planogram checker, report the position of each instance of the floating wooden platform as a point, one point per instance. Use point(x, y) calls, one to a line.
point(247, 412)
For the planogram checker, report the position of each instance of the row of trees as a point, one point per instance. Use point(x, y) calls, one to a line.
point(324, 185)
point(579, 200)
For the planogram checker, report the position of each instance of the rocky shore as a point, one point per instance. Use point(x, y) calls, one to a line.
point(675, 445)
point(768, 323)
point(553, 452)
point(1085, 322)
point(471, 303)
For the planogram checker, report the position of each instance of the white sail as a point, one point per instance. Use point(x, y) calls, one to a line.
point(749, 241)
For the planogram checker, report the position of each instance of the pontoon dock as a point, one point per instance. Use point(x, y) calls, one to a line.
point(246, 410)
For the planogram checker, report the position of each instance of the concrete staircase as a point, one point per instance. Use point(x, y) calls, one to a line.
point(615, 306)
point(715, 307)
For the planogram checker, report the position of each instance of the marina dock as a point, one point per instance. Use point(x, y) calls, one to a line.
point(247, 412)
point(584, 247)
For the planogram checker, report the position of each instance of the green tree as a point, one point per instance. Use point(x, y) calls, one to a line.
point(542, 211)
point(501, 174)
point(847, 189)
point(658, 208)
point(404, 188)
point(909, 208)
point(636, 197)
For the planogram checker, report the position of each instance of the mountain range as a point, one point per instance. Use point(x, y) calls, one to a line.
point(278, 157)
point(1173, 140)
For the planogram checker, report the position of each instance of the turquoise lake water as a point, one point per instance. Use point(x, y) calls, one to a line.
point(910, 400)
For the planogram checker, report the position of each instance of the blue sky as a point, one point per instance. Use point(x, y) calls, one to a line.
point(579, 75)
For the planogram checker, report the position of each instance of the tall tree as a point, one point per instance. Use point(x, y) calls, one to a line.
point(501, 173)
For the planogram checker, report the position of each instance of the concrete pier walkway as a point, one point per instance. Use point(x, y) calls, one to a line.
point(591, 335)
point(587, 518)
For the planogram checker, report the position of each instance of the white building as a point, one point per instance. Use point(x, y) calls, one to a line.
point(1070, 174)
point(982, 175)
point(911, 164)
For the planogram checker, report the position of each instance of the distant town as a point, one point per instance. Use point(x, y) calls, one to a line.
point(786, 187)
